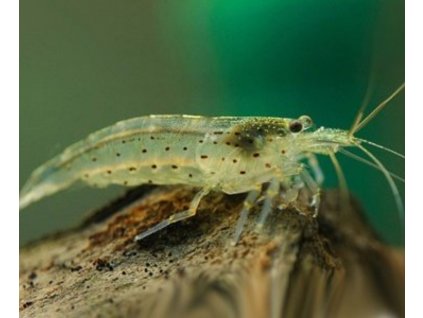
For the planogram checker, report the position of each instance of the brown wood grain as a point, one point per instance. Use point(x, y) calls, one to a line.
point(299, 266)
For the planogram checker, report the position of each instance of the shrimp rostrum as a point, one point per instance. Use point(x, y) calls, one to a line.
point(228, 154)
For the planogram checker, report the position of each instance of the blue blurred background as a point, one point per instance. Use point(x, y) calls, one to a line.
point(87, 64)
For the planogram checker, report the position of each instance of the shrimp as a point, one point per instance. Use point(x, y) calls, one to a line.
point(228, 154)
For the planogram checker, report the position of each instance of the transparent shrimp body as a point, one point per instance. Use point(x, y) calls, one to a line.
point(231, 154)
point(228, 154)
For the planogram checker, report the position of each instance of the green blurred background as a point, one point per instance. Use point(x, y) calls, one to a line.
point(87, 64)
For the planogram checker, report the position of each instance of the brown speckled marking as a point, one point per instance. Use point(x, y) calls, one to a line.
point(251, 135)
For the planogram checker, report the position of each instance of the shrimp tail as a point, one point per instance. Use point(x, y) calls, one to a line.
point(44, 181)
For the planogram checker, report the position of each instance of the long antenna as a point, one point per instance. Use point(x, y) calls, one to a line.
point(370, 164)
point(375, 111)
point(390, 180)
point(396, 153)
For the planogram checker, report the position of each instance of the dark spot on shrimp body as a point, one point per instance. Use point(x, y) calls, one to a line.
point(252, 134)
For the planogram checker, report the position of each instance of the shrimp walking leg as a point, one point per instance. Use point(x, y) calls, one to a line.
point(271, 192)
point(314, 188)
point(289, 192)
point(315, 167)
point(192, 210)
point(247, 205)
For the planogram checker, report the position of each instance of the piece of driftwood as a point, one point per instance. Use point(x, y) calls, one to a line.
point(298, 266)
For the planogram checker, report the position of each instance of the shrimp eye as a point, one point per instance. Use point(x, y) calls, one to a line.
point(295, 126)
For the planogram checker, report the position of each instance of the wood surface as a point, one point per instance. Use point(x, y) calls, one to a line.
point(297, 266)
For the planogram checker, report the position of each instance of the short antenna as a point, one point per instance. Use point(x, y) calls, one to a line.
point(365, 102)
point(375, 111)
point(345, 196)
